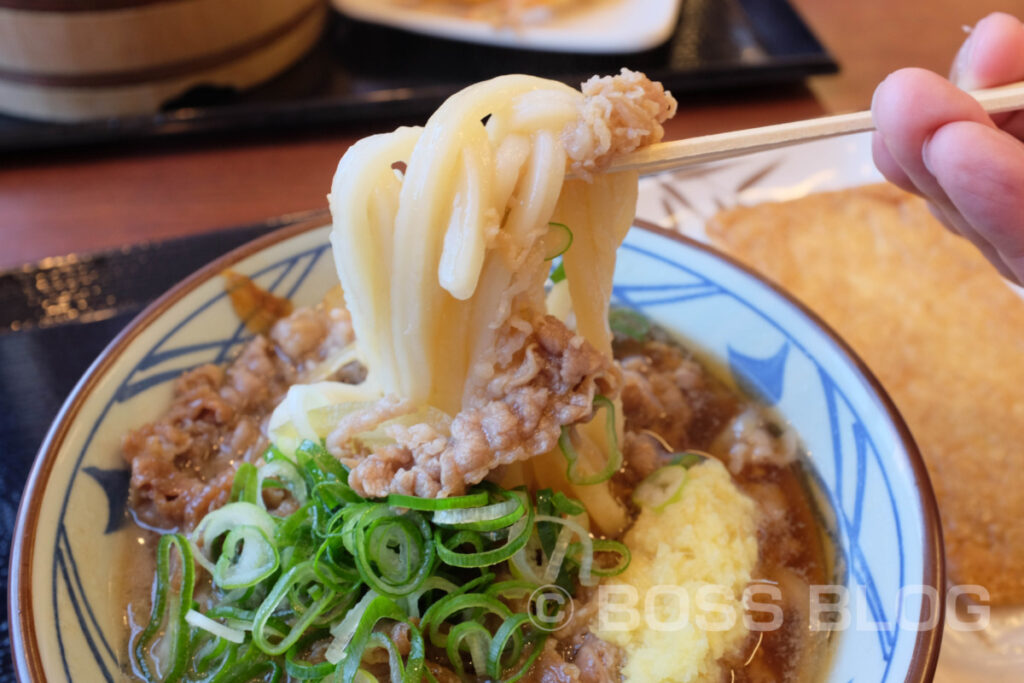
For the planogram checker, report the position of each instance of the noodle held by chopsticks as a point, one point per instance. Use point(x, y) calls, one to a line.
point(443, 267)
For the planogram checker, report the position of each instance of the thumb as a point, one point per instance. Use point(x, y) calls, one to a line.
point(992, 55)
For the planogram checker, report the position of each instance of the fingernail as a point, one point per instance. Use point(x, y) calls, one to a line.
point(926, 155)
point(961, 73)
point(874, 95)
point(878, 88)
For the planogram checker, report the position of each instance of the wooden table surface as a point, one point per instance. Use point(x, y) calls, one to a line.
point(60, 203)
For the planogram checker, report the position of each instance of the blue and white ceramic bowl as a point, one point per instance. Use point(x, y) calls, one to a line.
point(66, 620)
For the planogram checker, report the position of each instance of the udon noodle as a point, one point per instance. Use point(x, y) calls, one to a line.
point(441, 238)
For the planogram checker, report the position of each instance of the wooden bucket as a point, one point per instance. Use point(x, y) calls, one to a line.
point(74, 60)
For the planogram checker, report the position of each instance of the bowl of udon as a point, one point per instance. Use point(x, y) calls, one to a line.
point(474, 427)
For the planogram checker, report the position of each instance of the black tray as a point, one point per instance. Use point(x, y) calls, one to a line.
point(362, 72)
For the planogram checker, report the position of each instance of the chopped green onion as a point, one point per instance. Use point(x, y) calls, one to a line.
point(334, 566)
point(247, 557)
point(661, 488)
point(300, 574)
point(285, 472)
point(511, 589)
point(688, 459)
point(436, 611)
point(332, 493)
point(429, 504)
point(525, 564)
point(170, 609)
point(553, 503)
point(396, 667)
point(253, 665)
point(318, 464)
point(515, 538)
point(586, 542)
point(629, 323)
point(557, 503)
point(215, 627)
point(411, 600)
point(538, 649)
point(478, 641)
point(294, 529)
point(557, 241)
point(205, 657)
point(346, 628)
point(486, 518)
point(607, 545)
point(344, 602)
point(245, 486)
point(231, 613)
point(450, 605)
point(340, 570)
point(564, 505)
point(508, 631)
point(394, 553)
point(554, 565)
point(379, 608)
point(303, 670)
point(223, 520)
point(614, 461)
point(558, 274)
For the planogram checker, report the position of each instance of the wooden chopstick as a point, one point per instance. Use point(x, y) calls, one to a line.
point(681, 153)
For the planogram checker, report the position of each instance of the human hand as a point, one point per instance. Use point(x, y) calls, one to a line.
point(934, 140)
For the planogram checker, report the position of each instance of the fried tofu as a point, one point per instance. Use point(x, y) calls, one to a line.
point(943, 333)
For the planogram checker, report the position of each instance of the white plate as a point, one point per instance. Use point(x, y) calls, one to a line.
point(685, 200)
point(609, 26)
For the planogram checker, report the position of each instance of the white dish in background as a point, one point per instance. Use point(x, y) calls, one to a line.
point(683, 201)
point(609, 26)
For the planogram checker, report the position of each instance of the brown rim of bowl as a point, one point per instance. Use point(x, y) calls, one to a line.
point(24, 647)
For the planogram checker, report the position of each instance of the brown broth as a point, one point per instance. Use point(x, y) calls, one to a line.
point(794, 541)
point(795, 544)
point(791, 561)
